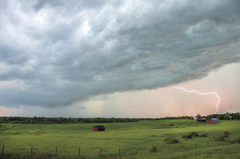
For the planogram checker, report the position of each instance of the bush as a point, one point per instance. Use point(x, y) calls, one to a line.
point(204, 135)
point(226, 133)
point(238, 140)
point(226, 116)
point(172, 141)
point(154, 148)
point(198, 116)
point(221, 138)
point(166, 139)
point(232, 141)
point(194, 134)
point(189, 136)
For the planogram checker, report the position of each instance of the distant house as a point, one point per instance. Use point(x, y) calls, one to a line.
point(201, 120)
point(212, 121)
point(98, 128)
point(171, 125)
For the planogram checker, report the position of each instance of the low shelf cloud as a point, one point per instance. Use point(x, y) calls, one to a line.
point(57, 53)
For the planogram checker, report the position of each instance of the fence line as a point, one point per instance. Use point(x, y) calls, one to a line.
point(2, 149)
point(160, 150)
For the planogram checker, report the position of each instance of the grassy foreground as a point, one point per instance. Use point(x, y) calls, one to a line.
point(135, 140)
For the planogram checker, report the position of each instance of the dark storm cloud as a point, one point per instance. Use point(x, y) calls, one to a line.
point(39, 4)
point(65, 51)
point(44, 3)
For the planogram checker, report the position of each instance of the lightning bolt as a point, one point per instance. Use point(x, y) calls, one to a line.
point(181, 88)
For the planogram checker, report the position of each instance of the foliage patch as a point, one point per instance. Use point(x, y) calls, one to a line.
point(220, 138)
point(238, 140)
point(194, 134)
point(171, 140)
point(231, 141)
point(204, 135)
point(166, 139)
point(234, 141)
point(189, 136)
point(226, 133)
point(154, 148)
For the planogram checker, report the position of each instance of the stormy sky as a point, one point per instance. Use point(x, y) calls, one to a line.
point(118, 58)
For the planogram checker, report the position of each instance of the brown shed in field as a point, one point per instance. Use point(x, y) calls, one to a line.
point(98, 128)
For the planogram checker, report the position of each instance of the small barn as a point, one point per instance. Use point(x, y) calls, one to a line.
point(212, 121)
point(201, 120)
point(98, 128)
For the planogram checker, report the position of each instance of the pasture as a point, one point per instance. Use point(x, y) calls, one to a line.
point(135, 139)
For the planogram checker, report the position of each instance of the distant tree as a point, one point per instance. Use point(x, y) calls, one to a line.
point(55, 120)
point(28, 120)
point(198, 116)
point(221, 117)
point(237, 115)
point(69, 119)
point(60, 120)
point(39, 119)
point(34, 118)
point(226, 116)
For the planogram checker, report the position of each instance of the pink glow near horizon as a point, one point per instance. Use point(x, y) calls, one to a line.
point(181, 88)
point(1, 114)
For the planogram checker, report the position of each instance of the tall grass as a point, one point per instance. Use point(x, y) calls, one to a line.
point(134, 139)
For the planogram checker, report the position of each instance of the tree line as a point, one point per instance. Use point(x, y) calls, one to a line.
point(225, 116)
point(64, 120)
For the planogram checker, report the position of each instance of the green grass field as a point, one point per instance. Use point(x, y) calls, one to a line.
point(135, 139)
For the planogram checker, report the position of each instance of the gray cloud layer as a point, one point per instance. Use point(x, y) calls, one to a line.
point(53, 53)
